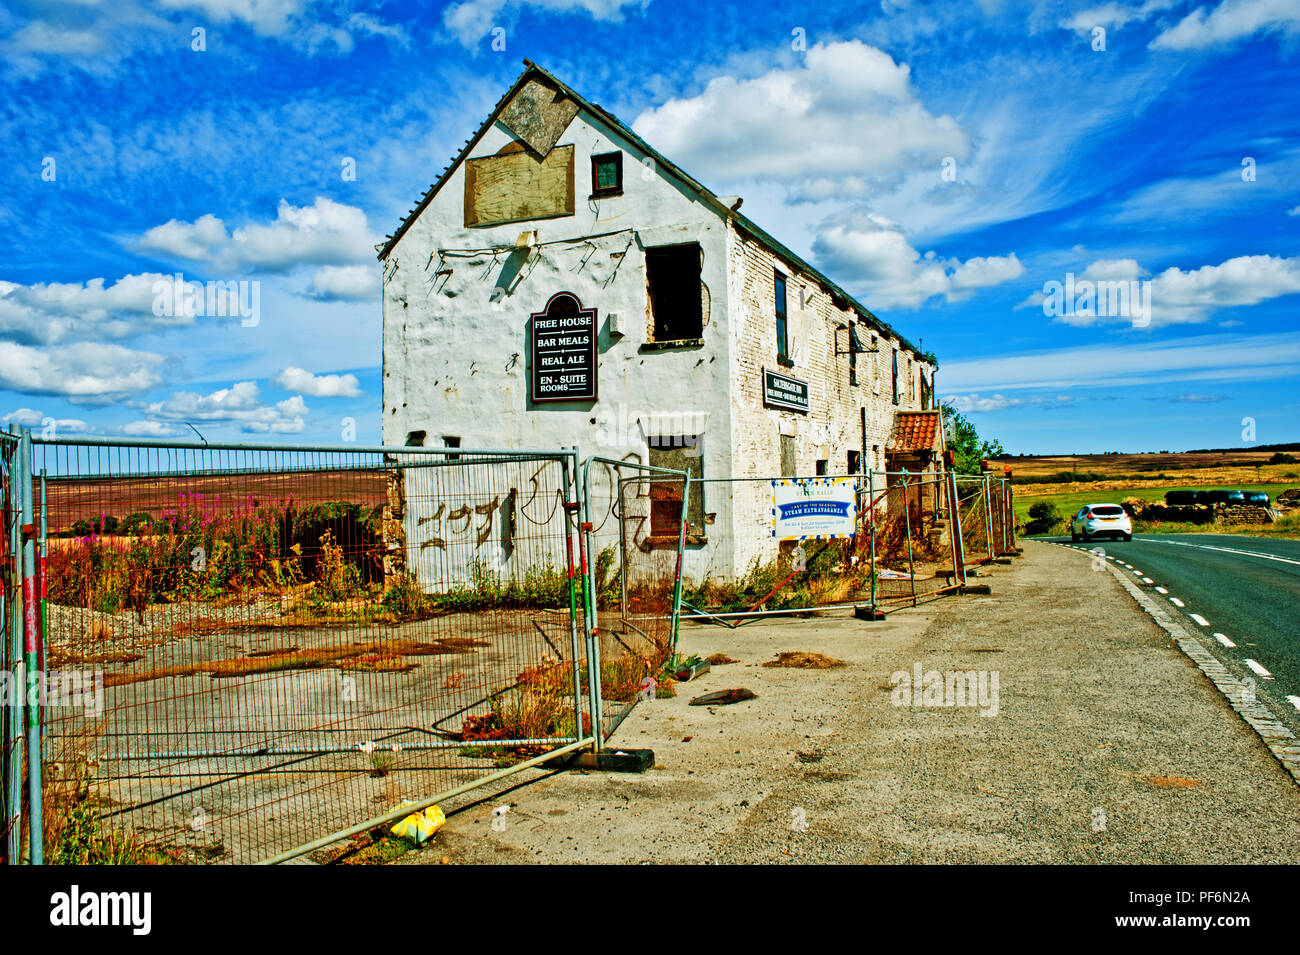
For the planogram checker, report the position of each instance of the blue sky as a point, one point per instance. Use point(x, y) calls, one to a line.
point(943, 161)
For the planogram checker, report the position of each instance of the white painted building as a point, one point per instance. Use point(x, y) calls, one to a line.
point(715, 346)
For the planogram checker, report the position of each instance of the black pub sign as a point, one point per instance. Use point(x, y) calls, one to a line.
point(562, 342)
point(782, 391)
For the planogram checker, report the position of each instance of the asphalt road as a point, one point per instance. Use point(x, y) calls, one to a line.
point(1242, 594)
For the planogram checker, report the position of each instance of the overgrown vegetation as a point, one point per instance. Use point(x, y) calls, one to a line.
point(1044, 518)
point(202, 550)
point(963, 440)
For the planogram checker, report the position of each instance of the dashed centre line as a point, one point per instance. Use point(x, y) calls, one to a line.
point(1176, 602)
point(1224, 640)
point(1161, 590)
point(1295, 701)
point(1258, 668)
point(1199, 619)
point(1147, 580)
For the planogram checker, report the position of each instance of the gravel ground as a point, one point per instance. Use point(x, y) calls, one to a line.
point(1108, 746)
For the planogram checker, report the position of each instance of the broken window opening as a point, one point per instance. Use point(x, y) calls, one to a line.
point(673, 280)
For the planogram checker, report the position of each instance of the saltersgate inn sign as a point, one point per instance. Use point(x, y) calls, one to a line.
point(562, 343)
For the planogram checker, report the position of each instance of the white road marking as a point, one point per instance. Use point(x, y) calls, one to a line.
point(1257, 668)
point(1176, 602)
point(1224, 640)
point(1161, 590)
point(1199, 619)
point(1231, 550)
point(1147, 580)
point(1295, 701)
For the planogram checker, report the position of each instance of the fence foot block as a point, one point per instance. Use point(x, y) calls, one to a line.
point(607, 760)
point(868, 613)
point(977, 589)
point(1002, 560)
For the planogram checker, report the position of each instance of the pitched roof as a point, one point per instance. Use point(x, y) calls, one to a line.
point(915, 431)
point(532, 70)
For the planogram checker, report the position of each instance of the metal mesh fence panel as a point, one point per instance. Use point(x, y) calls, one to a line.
point(14, 674)
point(736, 566)
point(973, 507)
point(634, 533)
point(272, 645)
point(910, 523)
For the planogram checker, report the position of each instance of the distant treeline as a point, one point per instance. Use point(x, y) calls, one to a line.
point(1293, 446)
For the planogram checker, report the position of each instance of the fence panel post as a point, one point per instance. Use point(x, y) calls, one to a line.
point(35, 692)
point(14, 715)
point(958, 548)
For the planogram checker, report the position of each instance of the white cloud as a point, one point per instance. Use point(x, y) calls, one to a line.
point(319, 386)
point(55, 311)
point(324, 233)
point(186, 240)
point(1178, 296)
point(1212, 357)
point(846, 117)
point(31, 418)
point(150, 429)
point(976, 403)
point(239, 404)
point(95, 35)
point(1193, 296)
point(1114, 15)
point(1294, 212)
point(348, 283)
point(86, 371)
point(1230, 21)
point(872, 255)
point(472, 20)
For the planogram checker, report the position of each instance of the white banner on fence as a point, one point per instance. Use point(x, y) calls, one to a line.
point(820, 508)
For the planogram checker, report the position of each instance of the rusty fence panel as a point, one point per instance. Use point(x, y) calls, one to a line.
point(910, 522)
point(635, 525)
point(260, 649)
point(14, 688)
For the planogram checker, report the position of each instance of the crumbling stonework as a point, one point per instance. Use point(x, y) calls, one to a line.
point(394, 534)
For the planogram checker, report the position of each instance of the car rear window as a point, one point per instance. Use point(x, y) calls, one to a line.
point(1107, 510)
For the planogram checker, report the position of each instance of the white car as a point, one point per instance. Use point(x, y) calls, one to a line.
point(1101, 520)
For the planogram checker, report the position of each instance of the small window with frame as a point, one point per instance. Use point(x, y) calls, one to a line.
point(606, 175)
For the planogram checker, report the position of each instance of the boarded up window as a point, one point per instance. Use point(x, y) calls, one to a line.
point(787, 456)
point(680, 452)
point(516, 186)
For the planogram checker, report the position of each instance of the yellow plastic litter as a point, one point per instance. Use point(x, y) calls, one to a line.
point(420, 826)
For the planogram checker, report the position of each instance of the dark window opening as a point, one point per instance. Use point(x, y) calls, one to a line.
point(680, 453)
point(895, 376)
point(853, 366)
point(787, 456)
point(855, 462)
point(451, 441)
point(821, 467)
point(606, 175)
point(673, 278)
point(415, 439)
point(782, 349)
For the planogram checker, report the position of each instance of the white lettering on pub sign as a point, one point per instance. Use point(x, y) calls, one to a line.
point(782, 391)
point(563, 349)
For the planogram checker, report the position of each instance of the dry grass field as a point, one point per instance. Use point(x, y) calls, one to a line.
point(1135, 471)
